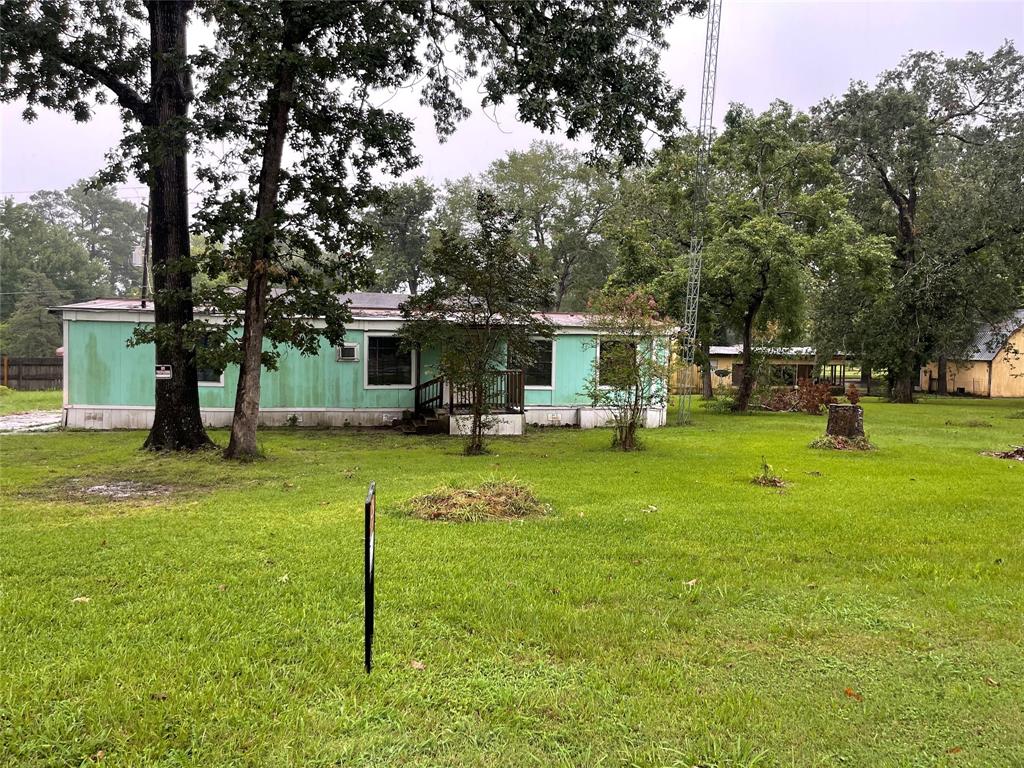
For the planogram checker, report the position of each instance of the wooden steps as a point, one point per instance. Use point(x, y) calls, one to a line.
point(420, 424)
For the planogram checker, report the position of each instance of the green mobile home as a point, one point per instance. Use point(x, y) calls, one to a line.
point(368, 381)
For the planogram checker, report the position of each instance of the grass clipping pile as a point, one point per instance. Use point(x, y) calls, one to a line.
point(492, 500)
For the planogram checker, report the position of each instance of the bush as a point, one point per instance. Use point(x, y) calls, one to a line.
point(814, 397)
point(807, 398)
point(852, 394)
point(723, 402)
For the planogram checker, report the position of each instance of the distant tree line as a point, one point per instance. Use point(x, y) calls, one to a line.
point(58, 247)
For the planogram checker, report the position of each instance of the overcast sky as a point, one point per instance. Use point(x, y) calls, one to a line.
point(799, 51)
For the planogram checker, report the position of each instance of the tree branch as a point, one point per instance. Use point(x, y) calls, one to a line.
point(127, 96)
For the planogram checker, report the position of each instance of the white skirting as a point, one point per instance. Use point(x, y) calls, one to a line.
point(496, 424)
point(141, 417)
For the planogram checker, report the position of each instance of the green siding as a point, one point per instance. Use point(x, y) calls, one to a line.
point(574, 362)
point(104, 371)
point(574, 359)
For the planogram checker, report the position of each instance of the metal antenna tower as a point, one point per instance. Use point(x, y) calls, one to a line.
point(700, 204)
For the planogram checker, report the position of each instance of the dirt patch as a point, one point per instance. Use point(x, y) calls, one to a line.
point(119, 489)
point(101, 489)
point(974, 423)
point(494, 500)
point(1014, 454)
point(837, 443)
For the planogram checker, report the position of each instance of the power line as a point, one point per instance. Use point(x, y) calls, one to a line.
point(120, 187)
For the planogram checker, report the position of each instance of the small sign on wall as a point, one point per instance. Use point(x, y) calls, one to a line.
point(163, 372)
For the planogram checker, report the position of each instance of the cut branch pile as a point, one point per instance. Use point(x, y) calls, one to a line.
point(1014, 454)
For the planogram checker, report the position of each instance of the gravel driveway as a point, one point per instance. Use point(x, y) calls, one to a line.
point(30, 421)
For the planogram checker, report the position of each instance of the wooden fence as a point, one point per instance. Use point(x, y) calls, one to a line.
point(32, 372)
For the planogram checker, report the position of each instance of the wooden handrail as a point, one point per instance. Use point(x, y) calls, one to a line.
point(429, 396)
point(503, 392)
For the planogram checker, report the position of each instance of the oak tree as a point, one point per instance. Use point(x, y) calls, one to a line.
point(69, 56)
point(933, 152)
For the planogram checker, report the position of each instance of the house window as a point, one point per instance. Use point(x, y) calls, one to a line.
point(208, 376)
point(538, 372)
point(615, 359)
point(346, 353)
point(387, 364)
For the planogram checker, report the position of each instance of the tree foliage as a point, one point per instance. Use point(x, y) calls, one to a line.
point(30, 330)
point(564, 200)
point(403, 226)
point(480, 307)
point(108, 227)
point(629, 375)
point(32, 247)
point(933, 152)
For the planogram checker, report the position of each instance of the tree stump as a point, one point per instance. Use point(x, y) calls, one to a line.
point(845, 421)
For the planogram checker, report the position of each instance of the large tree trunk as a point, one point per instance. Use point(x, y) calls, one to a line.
point(845, 421)
point(707, 388)
point(901, 382)
point(902, 390)
point(865, 378)
point(943, 365)
point(746, 386)
point(247, 395)
point(178, 422)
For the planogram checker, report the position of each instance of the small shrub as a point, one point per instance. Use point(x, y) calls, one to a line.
point(807, 398)
point(852, 394)
point(492, 500)
point(837, 443)
point(723, 402)
point(814, 397)
point(767, 477)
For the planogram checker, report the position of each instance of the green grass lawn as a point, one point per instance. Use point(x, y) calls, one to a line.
point(667, 613)
point(17, 401)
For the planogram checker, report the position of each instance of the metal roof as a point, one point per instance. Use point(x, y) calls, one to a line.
point(992, 338)
point(364, 305)
point(730, 350)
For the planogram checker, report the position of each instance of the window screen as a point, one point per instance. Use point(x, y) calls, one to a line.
point(538, 371)
point(386, 363)
point(207, 375)
point(616, 363)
